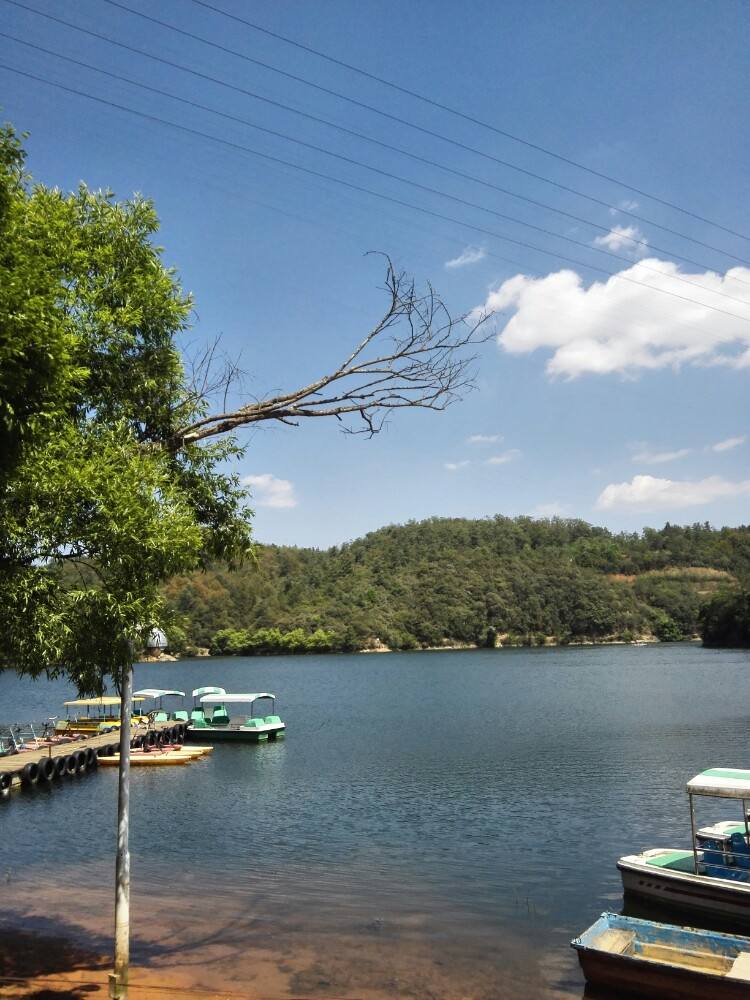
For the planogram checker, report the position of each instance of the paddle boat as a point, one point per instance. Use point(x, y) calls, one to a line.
point(714, 876)
point(662, 961)
point(159, 715)
point(198, 712)
point(156, 756)
point(243, 728)
point(104, 718)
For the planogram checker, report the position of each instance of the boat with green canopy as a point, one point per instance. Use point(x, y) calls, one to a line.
point(714, 875)
point(199, 713)
point(225, 724)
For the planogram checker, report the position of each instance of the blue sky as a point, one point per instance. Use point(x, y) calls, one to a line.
point(598, 398)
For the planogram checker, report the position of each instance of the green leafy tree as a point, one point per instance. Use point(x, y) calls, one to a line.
point(92, 389)
point(725, 619)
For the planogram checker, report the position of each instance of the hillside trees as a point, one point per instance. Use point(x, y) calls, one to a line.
point(725, 620)
point(454, 580)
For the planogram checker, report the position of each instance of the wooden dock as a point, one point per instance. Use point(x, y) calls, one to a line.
point(79, 756)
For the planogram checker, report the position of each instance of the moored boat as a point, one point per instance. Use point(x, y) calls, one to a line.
point(102, 715)
point(664, 962)
point(243, 728)
point(159, 694)
point(714, 875)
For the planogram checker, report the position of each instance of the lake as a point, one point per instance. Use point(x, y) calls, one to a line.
point(434, 825)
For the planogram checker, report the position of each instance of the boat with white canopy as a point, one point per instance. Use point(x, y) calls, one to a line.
point(159, 694)
point(714, 875)
point(226, 723)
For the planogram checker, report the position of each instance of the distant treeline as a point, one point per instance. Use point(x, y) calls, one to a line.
point(440, 581)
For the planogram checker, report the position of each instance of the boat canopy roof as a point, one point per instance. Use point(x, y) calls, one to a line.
point(199, 692)
point(229, 699)
point(722, 782)
point(157, 693)
point(105, 702)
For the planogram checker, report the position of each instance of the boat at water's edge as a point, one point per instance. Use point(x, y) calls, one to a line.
point(664, 962)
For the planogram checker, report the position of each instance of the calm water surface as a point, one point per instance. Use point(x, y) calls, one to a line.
point(434, 824)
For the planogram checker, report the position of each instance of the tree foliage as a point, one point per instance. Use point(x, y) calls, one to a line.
point(92, 387)
point(455, 580)
point(725, 619)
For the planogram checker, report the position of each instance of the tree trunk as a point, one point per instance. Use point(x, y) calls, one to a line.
point(122, 872)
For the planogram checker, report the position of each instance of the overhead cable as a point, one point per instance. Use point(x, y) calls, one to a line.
point(458, 113)
point(366, 166)
point(368, 107)
point(368, 191)
point(414, 156)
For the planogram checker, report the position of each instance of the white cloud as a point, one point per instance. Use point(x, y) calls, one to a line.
point(455, 466)
point(507, 456)
point(727, 445)
point(268, 491)
point(624, 206)
point(658, 457)
point(468, 256)
point(484, 438)
point(553, 509)
point(619, 326)
point(649, 493)
point(628, 238)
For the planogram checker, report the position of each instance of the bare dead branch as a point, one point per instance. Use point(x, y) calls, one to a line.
point(414, 356)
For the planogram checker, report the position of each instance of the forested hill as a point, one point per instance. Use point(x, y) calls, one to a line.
point(445, 581)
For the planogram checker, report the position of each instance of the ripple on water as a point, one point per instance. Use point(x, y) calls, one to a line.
point(434, 825)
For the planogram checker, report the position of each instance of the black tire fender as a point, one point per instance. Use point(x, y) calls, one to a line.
point(30, 774)
point(71, 765)
point(60, 765)
point(5, 782)
point(80, 759)
point(47, 769)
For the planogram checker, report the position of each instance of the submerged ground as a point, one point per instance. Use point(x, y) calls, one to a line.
point(435, 825)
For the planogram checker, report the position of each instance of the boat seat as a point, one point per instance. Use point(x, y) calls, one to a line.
point(255, 723)
point(740, 967)
point(161, 717)
point(615, 941)
point(180, 715)
point(220, 717)
point(197, 713)
point(272, 720)
point(199, 722)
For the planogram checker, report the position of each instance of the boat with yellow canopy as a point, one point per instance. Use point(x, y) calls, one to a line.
point(102, 715)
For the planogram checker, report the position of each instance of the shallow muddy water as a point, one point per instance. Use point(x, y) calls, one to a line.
point(434, 825)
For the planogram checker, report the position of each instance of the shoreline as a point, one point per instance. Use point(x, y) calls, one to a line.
point(550, 642)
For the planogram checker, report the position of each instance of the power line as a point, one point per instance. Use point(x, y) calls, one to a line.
point(458, 113)
point(378, 142)
point(366, 166)
point(368, 191)
point(374, 110)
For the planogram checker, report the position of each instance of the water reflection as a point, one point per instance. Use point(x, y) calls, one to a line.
point(433, 825)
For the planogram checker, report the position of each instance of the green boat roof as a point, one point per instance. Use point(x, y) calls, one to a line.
point(721, 782)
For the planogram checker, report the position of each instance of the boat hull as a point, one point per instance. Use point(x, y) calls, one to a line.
point(657, 982)
point(685, 890)
point(230, 734)
point(662, 961)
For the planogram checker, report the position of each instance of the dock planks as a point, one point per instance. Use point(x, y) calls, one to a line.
point(15, 763)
